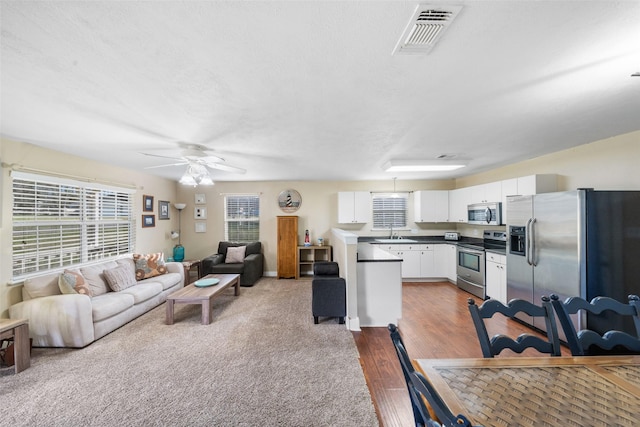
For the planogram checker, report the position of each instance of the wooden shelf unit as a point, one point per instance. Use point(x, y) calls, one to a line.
point(308, 255)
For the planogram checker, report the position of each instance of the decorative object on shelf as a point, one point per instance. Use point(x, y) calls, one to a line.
point(289, 201)
point(147, 203)
point(199, 213)
point(201, 227)
point(148, 221)
point(163, 209)
point(307, 241)
point(178, 250)
point(200, 199)
point(320, 241)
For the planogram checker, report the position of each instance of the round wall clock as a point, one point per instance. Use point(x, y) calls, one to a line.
point(289, 201)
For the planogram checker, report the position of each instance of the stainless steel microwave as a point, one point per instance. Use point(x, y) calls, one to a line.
point(485, 213)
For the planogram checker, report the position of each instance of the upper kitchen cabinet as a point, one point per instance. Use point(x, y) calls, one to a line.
point(354, 207)
point(458, 201)
point(431, 206)
point(485, 193)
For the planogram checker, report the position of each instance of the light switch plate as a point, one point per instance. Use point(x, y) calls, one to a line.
point(200, 213)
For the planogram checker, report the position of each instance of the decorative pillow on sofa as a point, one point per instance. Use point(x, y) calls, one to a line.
point(149, 265)
point(119, 278)
point(71, 282)
point(235, 254)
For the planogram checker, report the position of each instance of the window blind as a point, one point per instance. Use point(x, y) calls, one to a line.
point(242, 218)
point(389, 210)
point(59, 223)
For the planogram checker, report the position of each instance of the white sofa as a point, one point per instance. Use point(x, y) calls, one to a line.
point(76, 320)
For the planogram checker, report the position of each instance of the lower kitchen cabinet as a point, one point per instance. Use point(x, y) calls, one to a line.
point(427, 261)
point(496, 276)
point(444, 261)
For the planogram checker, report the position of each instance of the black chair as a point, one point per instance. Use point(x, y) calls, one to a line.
point(420, 390)
point(329, 292)
point(587, 342)
point(492, 347)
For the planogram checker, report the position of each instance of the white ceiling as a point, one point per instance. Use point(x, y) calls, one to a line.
point(310, 90)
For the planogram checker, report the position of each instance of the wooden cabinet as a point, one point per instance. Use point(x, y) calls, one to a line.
point(308, 255)
point(287, 246)
point(431, 206)
point(496, 276)
point(354, 207)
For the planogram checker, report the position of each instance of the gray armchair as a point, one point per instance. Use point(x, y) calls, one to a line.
point(329, 292)
point(250, 270)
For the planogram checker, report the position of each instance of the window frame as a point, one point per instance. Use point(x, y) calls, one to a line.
point(66, 223)
point(251, 230)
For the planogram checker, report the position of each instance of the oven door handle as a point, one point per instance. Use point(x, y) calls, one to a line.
point(472, 252)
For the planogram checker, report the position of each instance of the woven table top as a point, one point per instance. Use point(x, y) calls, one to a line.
point(566, 395)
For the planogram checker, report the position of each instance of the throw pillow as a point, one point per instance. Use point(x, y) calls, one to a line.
point(235, 254)
point(119, 278)
point(149, 265)
point(71, 282)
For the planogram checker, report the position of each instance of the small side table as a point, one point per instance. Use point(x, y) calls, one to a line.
point(188, 265)
point(18, 329)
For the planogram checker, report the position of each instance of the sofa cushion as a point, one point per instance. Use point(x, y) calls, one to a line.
point(143, 291)
point(166, 280)
point(42, 286)
point(72, 282)
point(149, 265)
point(235, 254)
point(94, 276)
point(119, 278)
point(109, 304)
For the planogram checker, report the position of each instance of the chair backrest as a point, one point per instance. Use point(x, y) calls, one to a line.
point(588, 342)
point(493, 346)
point(326, 268)
point(420, 390)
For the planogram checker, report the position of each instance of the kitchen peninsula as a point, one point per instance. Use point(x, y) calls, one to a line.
point(379, 286)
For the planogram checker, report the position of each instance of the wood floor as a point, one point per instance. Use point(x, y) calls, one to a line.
point(435, 324)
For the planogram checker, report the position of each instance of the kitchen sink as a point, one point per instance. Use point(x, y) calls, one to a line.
point(396, 241)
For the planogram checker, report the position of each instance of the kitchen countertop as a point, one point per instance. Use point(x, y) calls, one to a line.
point(420, 240)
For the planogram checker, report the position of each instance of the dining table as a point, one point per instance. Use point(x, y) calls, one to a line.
point(539, 391)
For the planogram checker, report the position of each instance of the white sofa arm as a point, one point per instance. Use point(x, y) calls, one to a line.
point(57, 320)
point(175, 267)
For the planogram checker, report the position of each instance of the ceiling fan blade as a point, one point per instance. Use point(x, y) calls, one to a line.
point(170, 164)
point(163, 157)
point(226, 168)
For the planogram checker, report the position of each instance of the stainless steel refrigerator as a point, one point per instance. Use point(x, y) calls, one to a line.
point(576, 243)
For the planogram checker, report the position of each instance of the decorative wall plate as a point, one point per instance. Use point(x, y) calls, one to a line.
point(289, 201)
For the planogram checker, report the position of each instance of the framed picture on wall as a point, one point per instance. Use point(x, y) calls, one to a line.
point(163, 209)
point(148, 221)
point(147, 203)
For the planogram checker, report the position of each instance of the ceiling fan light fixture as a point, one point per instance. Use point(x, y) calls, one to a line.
point(206, 180)
point(421, 166)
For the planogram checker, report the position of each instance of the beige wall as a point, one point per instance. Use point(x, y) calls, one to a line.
point(608, 164)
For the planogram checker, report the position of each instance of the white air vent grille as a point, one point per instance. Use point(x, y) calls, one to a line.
point(425, 28)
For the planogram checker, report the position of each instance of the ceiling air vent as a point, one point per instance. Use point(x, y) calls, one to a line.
point(425, 28)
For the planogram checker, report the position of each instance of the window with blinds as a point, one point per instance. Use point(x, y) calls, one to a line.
point(242, 218)
point(389, 210)
point(59, 223)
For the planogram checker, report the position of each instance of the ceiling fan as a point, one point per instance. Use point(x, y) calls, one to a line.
point(198, 160)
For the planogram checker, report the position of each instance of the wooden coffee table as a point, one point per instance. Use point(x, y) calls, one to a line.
point(192, 294)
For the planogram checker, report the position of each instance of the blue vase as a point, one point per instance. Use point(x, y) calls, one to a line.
point(178, 253)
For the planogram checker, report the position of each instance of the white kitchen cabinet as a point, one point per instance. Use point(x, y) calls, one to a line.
point(458, 201)
point(536, 184)
point(354, 207)
point(452, 262)
point(431, 206)
point(441, 260)
point(496, 276)
point(427, 261)
point(484, 193)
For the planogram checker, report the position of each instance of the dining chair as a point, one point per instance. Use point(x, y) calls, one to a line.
point(587, 342)
point(493, 346)
point(421, 391)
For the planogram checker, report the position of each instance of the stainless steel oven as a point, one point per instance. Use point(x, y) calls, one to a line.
point(470, 270)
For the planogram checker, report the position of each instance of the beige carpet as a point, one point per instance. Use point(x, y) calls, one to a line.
point(261, 361)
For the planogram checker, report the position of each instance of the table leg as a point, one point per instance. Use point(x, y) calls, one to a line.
point(169, 312)
point(237, 287)
point(21, 348)
point(207, 308)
